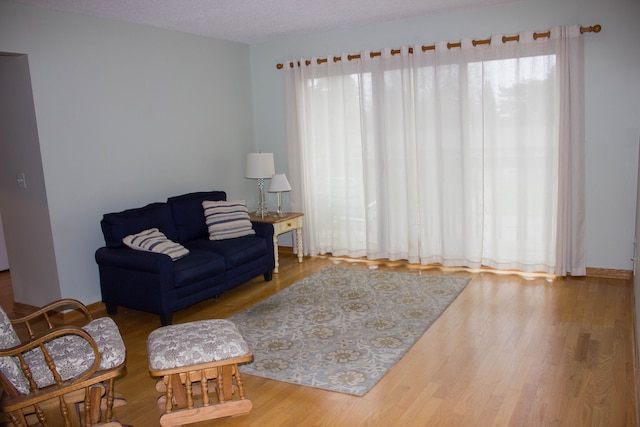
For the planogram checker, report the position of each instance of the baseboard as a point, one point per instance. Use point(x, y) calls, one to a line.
point(285, 249)
point(609, 273)
point(636, 372)
point(97, 309)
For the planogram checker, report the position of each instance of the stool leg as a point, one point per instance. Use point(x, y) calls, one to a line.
point(239, 381)
point(204, 386)
point(168, 394)
point(220, 384)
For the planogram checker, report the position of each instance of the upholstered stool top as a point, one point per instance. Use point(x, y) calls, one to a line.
point(193, 343)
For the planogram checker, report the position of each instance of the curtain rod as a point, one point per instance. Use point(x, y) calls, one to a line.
point(592, 29)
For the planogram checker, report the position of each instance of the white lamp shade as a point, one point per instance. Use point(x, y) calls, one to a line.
point(279, 182)
point(259, 165)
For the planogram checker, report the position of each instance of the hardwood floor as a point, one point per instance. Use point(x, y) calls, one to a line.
point(6, 291)
point(511, 350)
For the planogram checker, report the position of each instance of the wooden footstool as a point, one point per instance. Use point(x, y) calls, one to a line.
point(187, 356)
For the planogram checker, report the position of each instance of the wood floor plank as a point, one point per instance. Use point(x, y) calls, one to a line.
point(511, 350)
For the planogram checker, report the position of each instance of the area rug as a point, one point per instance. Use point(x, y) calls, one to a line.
point(342, 329)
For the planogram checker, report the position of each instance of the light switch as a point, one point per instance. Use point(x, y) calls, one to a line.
point(21, 180)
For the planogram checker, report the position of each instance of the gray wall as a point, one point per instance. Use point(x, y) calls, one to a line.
point(127, 115)
point(612, 64)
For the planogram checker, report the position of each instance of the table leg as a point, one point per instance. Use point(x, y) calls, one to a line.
point(299, 243)
point(276, 256)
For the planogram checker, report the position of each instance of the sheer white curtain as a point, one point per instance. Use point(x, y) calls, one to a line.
point(465, 156)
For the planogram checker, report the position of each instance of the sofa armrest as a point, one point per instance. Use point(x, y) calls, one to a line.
point(263, 229)
point(132, 259)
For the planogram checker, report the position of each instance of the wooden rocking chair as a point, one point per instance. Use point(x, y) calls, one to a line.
point(58, 368)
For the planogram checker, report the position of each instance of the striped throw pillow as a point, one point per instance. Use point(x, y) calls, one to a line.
point(227, 219)
point(153, 240)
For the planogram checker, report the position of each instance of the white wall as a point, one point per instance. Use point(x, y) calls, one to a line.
point(612, 93)
point(127, 115)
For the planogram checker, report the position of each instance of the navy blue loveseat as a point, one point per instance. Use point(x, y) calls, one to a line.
point(153, 282)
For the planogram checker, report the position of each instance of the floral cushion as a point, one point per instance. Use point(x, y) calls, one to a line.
point(9, 366)
point(71, 354)
point(8, 336)
point(192, 343)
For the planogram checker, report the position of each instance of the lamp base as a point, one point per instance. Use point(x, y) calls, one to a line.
point(280, 212)
point(262, 210)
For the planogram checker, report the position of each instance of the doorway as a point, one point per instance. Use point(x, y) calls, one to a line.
point(26, 224)
point(4, 257)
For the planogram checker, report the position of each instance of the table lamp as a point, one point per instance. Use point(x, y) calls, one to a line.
point(260, 166)
point(279, 183)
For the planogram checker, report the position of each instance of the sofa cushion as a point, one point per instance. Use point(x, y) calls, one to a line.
point(236, 252)
point(188, 214)
point(116, 226)
point(153, 240)
point(196, 266)
point(227, 219)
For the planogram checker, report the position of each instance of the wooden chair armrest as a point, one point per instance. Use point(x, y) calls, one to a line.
point(49, 336)
point(43, 312)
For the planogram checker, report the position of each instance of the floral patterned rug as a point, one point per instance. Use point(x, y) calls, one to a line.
point(342, 329)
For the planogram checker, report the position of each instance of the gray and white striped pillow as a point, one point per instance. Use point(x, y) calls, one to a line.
point(227, 219)
point(153, 240)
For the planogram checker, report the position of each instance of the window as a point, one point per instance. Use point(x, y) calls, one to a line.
point(449, 157)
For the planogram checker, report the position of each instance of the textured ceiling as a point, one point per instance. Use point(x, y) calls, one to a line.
point(255, 21)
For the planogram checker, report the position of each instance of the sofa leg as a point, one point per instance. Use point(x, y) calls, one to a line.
point(111, 308)
point(268, 276)
point(166, 319)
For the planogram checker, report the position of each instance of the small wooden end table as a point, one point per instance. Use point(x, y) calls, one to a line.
point(282, 224)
